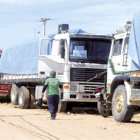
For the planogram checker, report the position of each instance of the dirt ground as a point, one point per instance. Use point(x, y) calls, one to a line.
point(35, 124)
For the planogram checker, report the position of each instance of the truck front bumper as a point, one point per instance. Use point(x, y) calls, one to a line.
point(135, 97)
point(79, 97)
point(80, 92)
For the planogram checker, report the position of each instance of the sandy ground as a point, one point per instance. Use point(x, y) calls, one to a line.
point(35, 124)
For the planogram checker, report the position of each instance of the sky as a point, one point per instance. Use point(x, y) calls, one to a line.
point(20, 19)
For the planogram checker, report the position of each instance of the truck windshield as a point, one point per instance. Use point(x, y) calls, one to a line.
point(89, 50)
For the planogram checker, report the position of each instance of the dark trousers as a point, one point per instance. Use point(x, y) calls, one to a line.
point(53, 101)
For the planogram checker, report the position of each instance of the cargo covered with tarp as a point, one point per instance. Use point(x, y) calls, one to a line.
point(23, 59)
point(134, 43)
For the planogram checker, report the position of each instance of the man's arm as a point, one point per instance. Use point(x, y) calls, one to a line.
point(44, 88)
point(60, 86)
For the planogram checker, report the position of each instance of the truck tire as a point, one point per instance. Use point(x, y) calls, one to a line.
point(14, 94)
point(102, 109)
point(23, 99)
point(120, 110)
point(32, 99)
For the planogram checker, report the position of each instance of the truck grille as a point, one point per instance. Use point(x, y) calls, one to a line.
point(84, 74)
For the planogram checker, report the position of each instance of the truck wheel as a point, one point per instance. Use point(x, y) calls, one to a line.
point(101, 106)
point(32, 99)
point(23, 99)
point(14, 94)
point(120, 110)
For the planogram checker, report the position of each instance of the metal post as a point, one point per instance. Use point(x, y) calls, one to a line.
point(44, 28)
point(44, 20)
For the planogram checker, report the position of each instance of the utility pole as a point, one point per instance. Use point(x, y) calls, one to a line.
point(44, 20)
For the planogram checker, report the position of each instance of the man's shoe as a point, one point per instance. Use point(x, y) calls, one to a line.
point(53, 116)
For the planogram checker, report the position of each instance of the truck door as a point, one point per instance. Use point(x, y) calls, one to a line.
point(119, 58)
point(116, 57)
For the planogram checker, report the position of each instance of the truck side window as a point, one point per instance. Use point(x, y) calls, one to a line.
point(117, 47)
point(126, 45)
point(62, 48)
point(46, 47)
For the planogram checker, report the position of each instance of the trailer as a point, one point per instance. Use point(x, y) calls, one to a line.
point(79, 59)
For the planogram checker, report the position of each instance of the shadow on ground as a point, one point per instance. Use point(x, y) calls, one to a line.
point(5, 100)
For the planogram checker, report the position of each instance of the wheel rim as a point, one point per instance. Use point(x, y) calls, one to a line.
point(119, 103)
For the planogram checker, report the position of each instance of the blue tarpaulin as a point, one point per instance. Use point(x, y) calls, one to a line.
point(78, 31)
point(134, 43)
point(23, 59)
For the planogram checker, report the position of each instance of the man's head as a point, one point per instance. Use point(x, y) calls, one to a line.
point(52, 74)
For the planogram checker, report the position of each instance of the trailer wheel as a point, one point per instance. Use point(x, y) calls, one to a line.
point(102, 109)
point(14, 94)
point(120, 110)
point(32, 99)
point(23, 99)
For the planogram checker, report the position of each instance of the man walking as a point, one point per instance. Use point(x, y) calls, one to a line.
point(53, 85)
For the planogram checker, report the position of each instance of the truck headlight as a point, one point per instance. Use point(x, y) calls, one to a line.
point(73, 87)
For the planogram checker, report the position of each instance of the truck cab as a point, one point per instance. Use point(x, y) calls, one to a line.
point(121, 96)
point(119, 61)
point(80, 61)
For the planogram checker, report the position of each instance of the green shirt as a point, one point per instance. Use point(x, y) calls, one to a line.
point(53, 86)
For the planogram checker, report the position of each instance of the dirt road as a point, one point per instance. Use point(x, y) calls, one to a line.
point(35, 124)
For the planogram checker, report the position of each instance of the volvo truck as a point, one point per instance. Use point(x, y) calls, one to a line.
point(79, 59)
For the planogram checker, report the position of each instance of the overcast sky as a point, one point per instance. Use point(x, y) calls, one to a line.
point(19, 19)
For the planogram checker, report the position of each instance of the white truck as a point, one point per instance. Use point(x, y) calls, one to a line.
point(122, 94)
point(80, 61)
